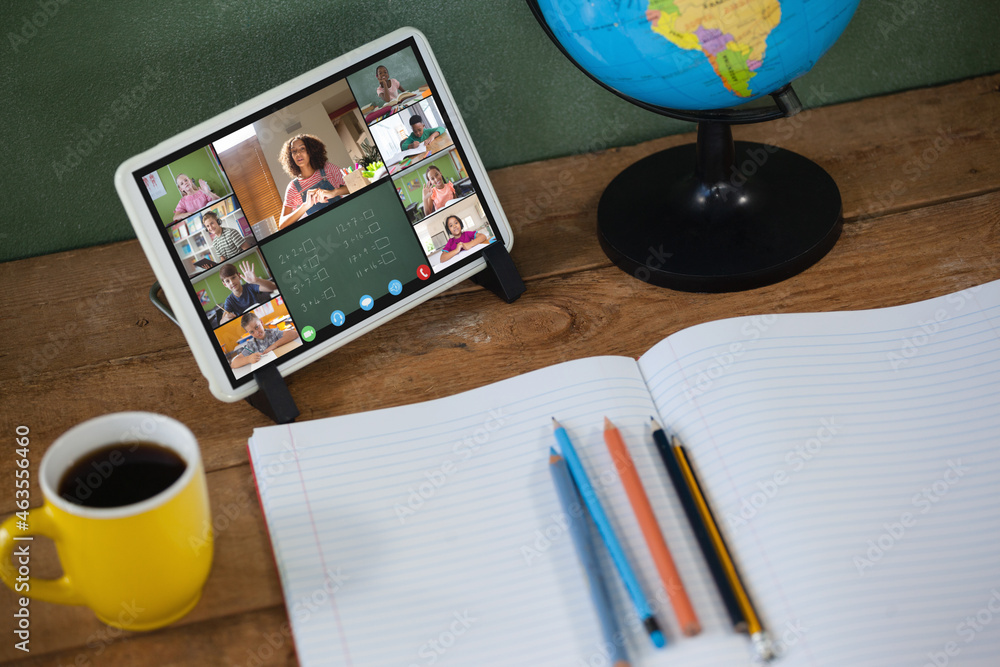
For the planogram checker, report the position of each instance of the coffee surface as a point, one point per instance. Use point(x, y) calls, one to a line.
point(121, 474)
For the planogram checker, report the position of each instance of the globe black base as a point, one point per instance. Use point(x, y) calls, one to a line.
point(748, 215)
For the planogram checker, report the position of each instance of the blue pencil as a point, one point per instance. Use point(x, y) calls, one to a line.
point(572, 504)
point(608, 535)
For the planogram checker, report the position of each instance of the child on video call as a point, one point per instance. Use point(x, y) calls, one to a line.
point(459, 240)
point(255, 292)
point(316, 183)
point(226, 241)
point(261, 341)
point(388, 89)
point(420, 134)
point(192, 198)
point(436, 191)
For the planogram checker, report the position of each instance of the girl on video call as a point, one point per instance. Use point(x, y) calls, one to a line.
point(193, 197)
point(388, 88)
point(457, 239)
point(316, 183)
point(436, 191)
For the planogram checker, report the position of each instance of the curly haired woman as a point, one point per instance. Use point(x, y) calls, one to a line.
point(316, 183)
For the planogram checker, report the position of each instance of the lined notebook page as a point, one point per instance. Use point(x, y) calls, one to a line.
point(854, 460)
point(431, 533)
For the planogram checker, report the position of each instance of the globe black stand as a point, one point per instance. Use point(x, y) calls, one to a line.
point(719, 216)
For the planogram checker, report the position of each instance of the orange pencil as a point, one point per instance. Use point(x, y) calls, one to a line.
point(651, 531)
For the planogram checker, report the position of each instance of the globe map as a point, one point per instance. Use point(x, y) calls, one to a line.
point(697, 54)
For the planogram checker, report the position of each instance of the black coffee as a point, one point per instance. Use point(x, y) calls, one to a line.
point(121, 474)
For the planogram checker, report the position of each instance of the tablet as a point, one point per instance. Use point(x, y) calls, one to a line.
point(305, 217)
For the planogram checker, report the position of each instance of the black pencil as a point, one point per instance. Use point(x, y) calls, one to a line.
point(698, 526)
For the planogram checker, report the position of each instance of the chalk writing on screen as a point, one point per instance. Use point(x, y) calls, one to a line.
point(360, 243)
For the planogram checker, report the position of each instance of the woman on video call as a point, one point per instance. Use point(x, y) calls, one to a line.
point(316, 183)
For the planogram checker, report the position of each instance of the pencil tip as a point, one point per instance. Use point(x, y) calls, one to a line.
point(607, 424)
point(556, 424)
point(762, 645)
point(656, 424)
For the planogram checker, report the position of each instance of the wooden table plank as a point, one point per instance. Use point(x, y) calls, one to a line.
point(243, 575)
point(870, 147)
point(89, 307)
point(256, 638)
point(937, 250)
point(110, 350)
point(934, 241)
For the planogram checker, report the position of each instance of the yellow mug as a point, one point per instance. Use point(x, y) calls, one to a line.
point(138, 566)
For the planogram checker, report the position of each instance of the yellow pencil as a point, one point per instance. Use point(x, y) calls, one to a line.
point(761, 642)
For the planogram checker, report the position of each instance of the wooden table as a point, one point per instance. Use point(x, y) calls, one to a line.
point(920, 177)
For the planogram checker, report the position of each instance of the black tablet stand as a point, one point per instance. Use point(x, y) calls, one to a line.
point(500, 275)
point(273, 398)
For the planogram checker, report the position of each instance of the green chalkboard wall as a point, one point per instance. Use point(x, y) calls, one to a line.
point(87, 85)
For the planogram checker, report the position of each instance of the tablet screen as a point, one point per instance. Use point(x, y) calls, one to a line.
point(299, 222)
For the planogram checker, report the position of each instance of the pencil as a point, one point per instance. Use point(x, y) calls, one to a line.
point(700, 531)
point(608, 536)
point(572, 505)
point(761, 642)
point(679, 600)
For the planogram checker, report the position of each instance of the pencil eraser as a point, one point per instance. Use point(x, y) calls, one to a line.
point(658, 640)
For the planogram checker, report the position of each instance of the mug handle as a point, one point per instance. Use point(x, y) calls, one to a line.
point(40, 522)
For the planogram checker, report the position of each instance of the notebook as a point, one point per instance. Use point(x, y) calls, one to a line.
point(852, 458)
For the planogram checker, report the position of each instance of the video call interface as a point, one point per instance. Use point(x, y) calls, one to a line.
point(308, 220)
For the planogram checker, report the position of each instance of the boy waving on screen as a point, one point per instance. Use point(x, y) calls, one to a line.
point(246, 296)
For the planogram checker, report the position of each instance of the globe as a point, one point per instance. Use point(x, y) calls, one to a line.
point(696, 54)
point(718, 215)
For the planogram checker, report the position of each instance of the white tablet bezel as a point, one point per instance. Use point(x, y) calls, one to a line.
point(175, 286)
